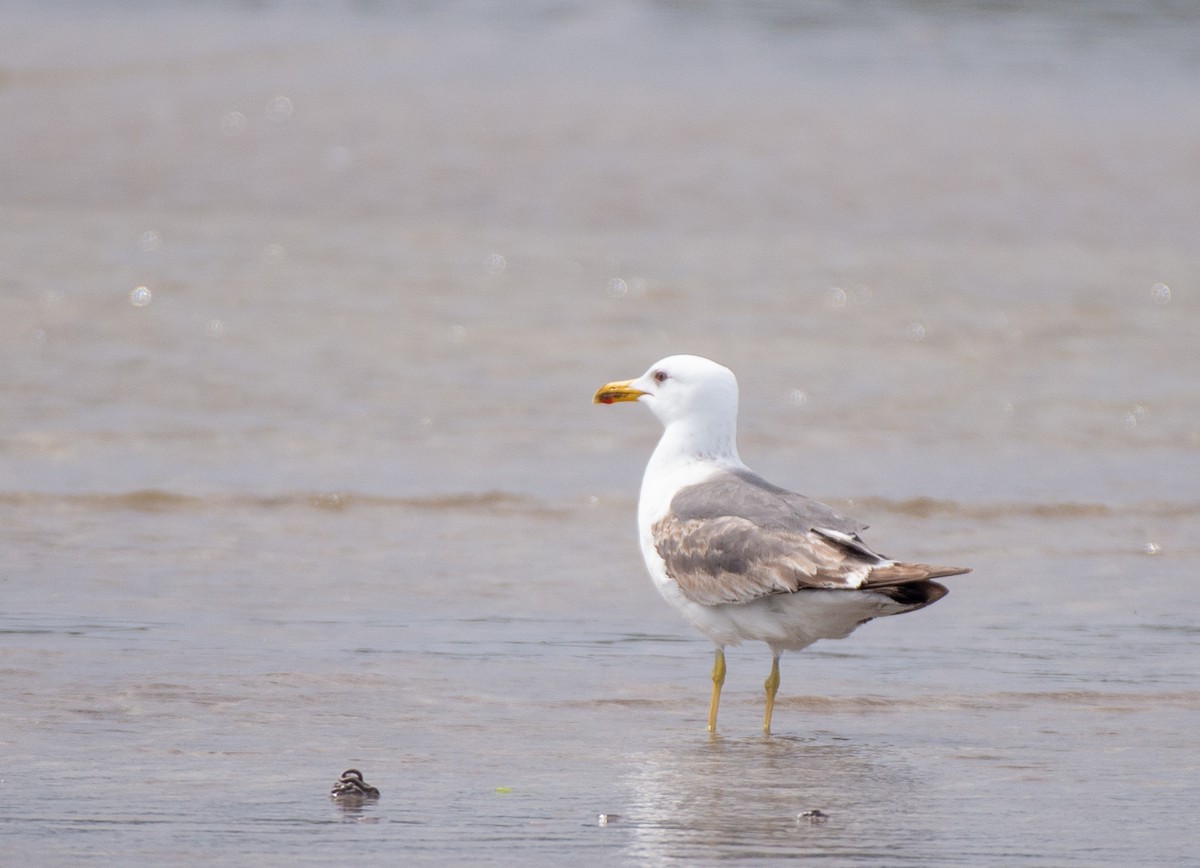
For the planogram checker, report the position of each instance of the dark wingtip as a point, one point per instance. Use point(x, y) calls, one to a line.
point(915, 594)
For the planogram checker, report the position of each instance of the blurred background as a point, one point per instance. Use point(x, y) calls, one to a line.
point(288, 246)
point(301, 309)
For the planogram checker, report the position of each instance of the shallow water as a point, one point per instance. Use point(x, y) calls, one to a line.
point(301, 313)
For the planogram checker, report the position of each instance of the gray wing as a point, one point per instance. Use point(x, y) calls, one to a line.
point(745, 493)
point(737, 537)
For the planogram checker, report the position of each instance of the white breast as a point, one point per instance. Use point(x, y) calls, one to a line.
point(664, 477)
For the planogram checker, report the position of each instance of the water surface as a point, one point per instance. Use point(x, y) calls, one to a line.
point(301, 312)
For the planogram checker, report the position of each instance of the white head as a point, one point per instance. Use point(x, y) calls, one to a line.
point(695, 398)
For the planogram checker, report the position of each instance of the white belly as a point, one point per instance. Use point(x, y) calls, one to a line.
point(786, 622)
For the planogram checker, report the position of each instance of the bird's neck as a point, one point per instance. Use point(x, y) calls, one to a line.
point(684, 456)
point(683, 444)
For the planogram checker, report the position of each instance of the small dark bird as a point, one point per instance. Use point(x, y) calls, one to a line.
point(351, 787)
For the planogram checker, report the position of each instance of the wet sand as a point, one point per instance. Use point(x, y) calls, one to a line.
point(301, 315)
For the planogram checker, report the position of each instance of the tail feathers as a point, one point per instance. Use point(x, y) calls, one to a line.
point(902, 574)
point(909, 584)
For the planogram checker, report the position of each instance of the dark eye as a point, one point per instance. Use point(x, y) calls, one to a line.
point(660, 376)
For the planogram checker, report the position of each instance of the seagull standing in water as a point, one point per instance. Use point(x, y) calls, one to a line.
point(740, 558)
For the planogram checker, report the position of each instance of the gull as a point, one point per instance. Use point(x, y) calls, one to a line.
point(742, 559)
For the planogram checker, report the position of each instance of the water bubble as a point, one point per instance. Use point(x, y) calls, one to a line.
point(616, 288)
point(149, 240)
point(495, 264)
point(233, 124)
point(140, 296)
point(458, 333)
point(1160, 293)
point(1009, 409)
point(273, 254)
point(1134, 415)
point(798, 397)
point(1152, 548)
point(338, 158)
point(278, 109)
point(836, 297)
point(915, 332)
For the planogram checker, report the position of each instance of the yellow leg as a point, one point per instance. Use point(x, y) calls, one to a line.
point(718, 679)
point(772, 686)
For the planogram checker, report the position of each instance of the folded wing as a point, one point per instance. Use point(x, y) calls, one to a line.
point(736, 537)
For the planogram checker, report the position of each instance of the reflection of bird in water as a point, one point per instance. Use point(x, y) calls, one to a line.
point(741, 558)
point(351, 787)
